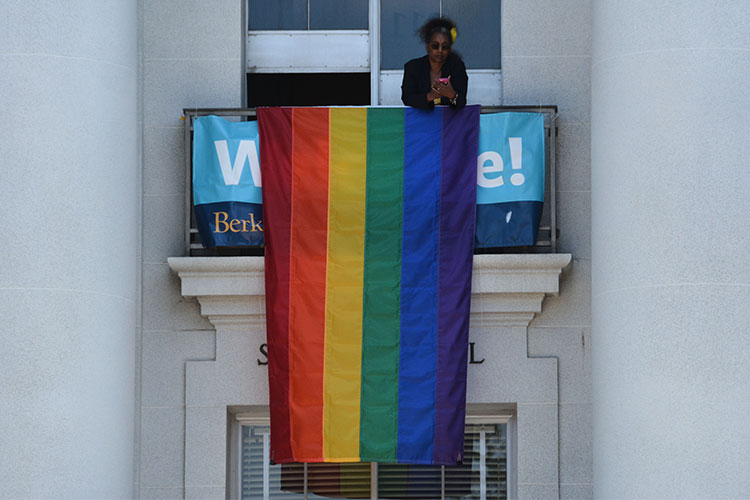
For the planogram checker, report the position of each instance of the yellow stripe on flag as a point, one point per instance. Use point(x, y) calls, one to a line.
point(346, 242)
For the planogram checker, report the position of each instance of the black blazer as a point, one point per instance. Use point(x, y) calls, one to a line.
point(416, 84)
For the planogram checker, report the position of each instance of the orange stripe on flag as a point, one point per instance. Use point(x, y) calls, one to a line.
point(308, 280)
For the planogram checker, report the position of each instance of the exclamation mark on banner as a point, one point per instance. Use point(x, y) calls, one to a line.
point(516, 161)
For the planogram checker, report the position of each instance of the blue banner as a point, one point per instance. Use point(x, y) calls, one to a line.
point(226, 182)
point(510, 180)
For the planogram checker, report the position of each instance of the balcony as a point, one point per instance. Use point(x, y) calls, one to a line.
point(548, 229)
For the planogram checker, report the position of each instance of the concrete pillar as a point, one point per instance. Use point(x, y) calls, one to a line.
point(68, 287)
point(670, 239)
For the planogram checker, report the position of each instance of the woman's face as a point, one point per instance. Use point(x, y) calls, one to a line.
point(438, 48)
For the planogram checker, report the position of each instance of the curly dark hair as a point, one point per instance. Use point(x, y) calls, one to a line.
point(436, 25)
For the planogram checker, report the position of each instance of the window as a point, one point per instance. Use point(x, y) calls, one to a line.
point(478, 23)
point(328, 89)
point(290, 15)
point(483, 475)
point(371, 37)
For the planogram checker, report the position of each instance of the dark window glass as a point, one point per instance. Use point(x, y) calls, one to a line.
point(277, 15)
point(400, 21)
point(478, 31)
point(339, 15)
point(308, 89)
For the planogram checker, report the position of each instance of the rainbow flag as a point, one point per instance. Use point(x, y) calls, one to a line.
point(369, 238)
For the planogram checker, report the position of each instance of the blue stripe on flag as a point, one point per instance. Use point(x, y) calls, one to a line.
point(419, 282)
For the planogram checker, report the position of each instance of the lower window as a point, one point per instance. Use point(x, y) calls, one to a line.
point(482, 475)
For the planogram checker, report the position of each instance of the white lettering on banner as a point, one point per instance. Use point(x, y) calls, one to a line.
point(516, 159)
point(495, 165)
point(491, 162)
point(233, 172)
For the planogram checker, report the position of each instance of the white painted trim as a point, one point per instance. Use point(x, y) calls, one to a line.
point(498, 418)
point(374, 25)
point(483, 464)
point(511, 459)
point(266, 465)
point(236, 459)
point(246, 419)
point(307, 32)
point(308, 51)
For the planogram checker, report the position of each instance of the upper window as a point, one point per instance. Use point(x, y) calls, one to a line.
point(295, 15)
point(375, 37)
point(483, 474)
point(478, 30)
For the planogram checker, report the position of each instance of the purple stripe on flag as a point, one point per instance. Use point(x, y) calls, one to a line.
point(457, 215)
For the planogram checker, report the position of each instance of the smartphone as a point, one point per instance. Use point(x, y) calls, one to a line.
point(444, 80)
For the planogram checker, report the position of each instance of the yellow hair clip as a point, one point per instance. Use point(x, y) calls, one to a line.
point(454, 34)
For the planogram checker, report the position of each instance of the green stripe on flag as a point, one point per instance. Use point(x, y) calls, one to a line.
point(382, 278)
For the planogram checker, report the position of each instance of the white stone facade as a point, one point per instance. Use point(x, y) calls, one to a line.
point(669, 236)
point(119, 368)
point(69, 282)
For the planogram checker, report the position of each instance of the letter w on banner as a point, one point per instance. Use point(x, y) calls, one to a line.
point(226, 182)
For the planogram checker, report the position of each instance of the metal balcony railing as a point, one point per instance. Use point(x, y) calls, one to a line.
point(548, 230)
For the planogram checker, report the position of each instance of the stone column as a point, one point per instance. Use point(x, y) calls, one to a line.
point(68, 274)
point(671, 280)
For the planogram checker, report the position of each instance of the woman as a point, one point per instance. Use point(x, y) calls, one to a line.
point(440, 76)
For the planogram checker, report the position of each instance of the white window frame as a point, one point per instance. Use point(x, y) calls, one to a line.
point(347, 51)
point(256, 419)
point(339, 51)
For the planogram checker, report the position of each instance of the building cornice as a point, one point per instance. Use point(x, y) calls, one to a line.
point(507, 289)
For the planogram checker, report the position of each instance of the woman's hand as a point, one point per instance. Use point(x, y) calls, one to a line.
point(432, 95)
point(443, 88)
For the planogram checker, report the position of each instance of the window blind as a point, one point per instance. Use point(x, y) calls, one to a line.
point(481, 476)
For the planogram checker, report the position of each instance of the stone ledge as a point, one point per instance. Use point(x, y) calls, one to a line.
point(507, 289)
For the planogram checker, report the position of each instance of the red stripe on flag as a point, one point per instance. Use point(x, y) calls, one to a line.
point(310, 155)
point(275, 126)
